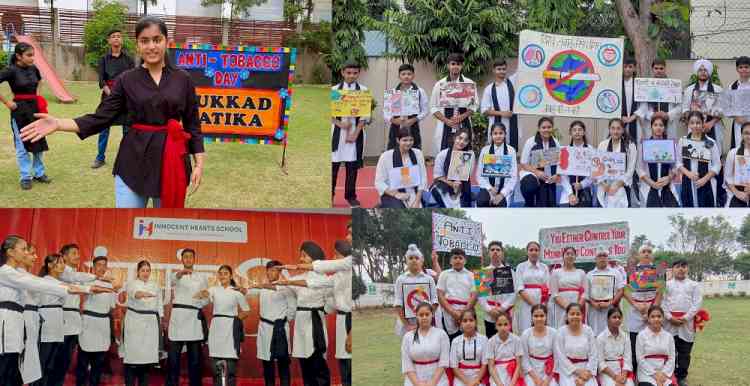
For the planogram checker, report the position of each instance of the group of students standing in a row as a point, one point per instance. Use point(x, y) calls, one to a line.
point(645, 184)
point(43, 318)
point(563, 337)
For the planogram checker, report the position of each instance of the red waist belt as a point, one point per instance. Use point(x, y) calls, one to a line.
point(41, 103)
point(576, 360)
point(678, 314)
point(110, 83)
point(544, 288)
point(657, 356)
point(174, 180)
point(456, 301)
point(465, 366)
point(549, 363)
point(424, 363)
point(510, 367)
point(621, 361)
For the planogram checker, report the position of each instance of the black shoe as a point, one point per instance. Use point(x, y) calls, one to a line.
point(353, 202)
point(97, 164)
point(26, 184)
point(43, 179)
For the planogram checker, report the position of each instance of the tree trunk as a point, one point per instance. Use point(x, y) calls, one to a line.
point(636, 25)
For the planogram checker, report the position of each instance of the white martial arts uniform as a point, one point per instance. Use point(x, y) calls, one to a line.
point(504, 302)
point(569, 286)
point(308, 301)
point(682, 299)
point(646, 112)
point(221, 343)
point(714, 165)
point(567, 186)
point(438, 171)
point(51, 312)
point(457, 286)
point(596, 318)
point(649, 343)
point(347, 151)
point(535, 275)
point(279, 304)
point(96, 335)
point(503, 100)
point(184, 324)
point(729, 173)
point(31, 368)
point(614, 353)
point(141, 330)
point(537, 352)
point(385, 165)
point(401, 301)
point(687, 96)
point(434, 108)
point(72, 305)
point(425, 356)
point(502, 355)
point(467, 354)
point(620, 198)
point(569, 347)
point(341, 284)
point(508, 183)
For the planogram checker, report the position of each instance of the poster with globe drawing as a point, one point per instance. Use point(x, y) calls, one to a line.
point(573, 76)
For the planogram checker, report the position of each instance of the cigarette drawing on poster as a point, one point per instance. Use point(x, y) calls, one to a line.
point(457, 95)
point(398, 103)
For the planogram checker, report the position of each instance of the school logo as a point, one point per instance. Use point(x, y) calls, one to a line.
point(608, 101)
point(530, 96)
point(609, 55)
point(532, 55)
point(569, 77)
point(145, 227)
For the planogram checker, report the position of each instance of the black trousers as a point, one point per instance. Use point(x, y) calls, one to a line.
point(633, 337)
point(664, 200)
point(9, 370)
point(315, 370)
point(736, 203)
point(70, 344)
point(230, 371)
point(137, 374)
point(387, 201)
point(350, 186)
point(345, 369)
point(489, 329)
point(682, 362)
point(269, 372)
point(95, 360)
point(537, 194)
point(51, 358)
point(193, 362)
point(483, 200)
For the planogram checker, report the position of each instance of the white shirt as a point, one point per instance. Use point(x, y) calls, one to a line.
point(347, 151)
point(650, 343)
point(145, 304)
point(528, 273)
point(567, 186)
point(687, 96)
point(646, 112)
point(340, 282)
point(682, 296)
point(434, 345)
point(52, 328)
point(631, 155)
point(503, 101)
point(72, 319)
point(729, 171)
point(441, 159)
point(526, 155)
point(569, 346)
point(184, 324)
point(612, 348)
point(226, 300)
point(509, 183)
point(456, 285)
point(713, 166)
point(385, 165)
point(738, 126)
point(607, 271)
point(434, 108)
point(221, 332)
point(537, 347)
point(424, 105)
point(468, 350)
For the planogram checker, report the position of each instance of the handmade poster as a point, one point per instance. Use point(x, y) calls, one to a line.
point(706, 102)
point(646, 277)
point(460, 165)
point(457, 94)
point(575, 161)
point(404, 177)
point(572, 76)
point(351, 103)
point(545, 157)
point(696, 150)
point(608, 166)
point(502, 281)
point(415, 293)
point(602, 287)
point(397, 103)
point(482, 282)
point(451, 232)
point(736, 103)
point(741, 169)
point(587, 240)
point(659, 150)
point(497, 165)
point(658, 90)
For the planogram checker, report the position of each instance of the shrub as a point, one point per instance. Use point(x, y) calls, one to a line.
point(107, 16)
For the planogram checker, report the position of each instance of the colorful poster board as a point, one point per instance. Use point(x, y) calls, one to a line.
point(572, 76)
point(351, 103)
point(658, 90)
point(576, 161)
point(415, 293)
point(659, 150)
point(545, 157)
point(497, 165)
point(451, 232)
point(646, 277)
point(608, 166)
point(457, 95)
point(398, 103)
point(696, 150)
point(496, 281)
point(587, 240)
point(404, 177)
point(460, 165)
point(708, 103)
point(243, 92)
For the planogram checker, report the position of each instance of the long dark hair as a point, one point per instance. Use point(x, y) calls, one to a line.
point(49, 259)
point(313, 250)
point(21, 49)
point(416, 310)
point(232, 283)
point(148, 21)
point(8, 244)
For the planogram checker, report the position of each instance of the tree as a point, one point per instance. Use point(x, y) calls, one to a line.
point(358, 287)
point(742, 265)
point(638, 241)
point(238, 7)
point(706, 242)
point(743, 235)
point(108, 15)
point(349, 23)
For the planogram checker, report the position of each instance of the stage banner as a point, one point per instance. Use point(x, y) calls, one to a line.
point(573, 76)
point(161, 228)
point(451, 232)
point(244, 92)
point(587, 240)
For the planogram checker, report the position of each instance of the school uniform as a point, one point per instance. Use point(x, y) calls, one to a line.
point(569, 286)
point(13, 284)
point(52, 350)
point(445, 195)
point(503, 355)
point(614, 353)
point(350, 153)
point(273, 343)
point(655, 352)
point(533, 279)
point(629, 107)
point(310, 337)
point(141, 339)
point(537, 193)
point(646, 111)
point(423, 354)
point(31, 367)
point(467, 354)
point(504, 302)
point(705, 196)
point(155, 113)
point(72, 324)
point(575, 352)
point(96, 335)
point(682, 299)
point(665, 197)
point(585, 196)
point(399, 301)
point(732, 201)
point(110, 67)
point(393, 159)
point(735, 136)
point(226, 332)
point(634, 322)
point(717, 131)
point(187, 327)
point(457, 287)
point(597, 318)
point(503, 185)
point(501, 97)
point(424, 109)
point(622, 198)
point(443, 137)
point(538, 355)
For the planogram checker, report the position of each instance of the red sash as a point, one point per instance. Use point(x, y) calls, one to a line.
point(424, 363)
point(580, 300)
point(576, 360)
point(665, 358)
point(464, 366)
point(174, 181)
point(510, 367)
point(41, 103)
point(110, 84)
point(543, 287)
point(549, 363)
point(621, 361)
point(456, 301)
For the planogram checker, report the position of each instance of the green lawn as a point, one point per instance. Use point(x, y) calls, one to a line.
point(235, 175)
point(718, 354)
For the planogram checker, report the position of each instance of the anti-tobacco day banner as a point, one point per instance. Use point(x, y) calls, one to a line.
point(243, 91)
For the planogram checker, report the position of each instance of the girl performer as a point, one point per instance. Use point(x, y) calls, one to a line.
point(577, 190)
point(504, 355)
point(566, 285)
point(699, 163)
point(401, 156)
point(615, 362)
point(616, 194)
point(425, 352)
point(657, 191)
point(575, 350)
point(451, 193)
point(538, 350)
point(497, 191)
point(468, 353)
point(539, 182)
point(655, 352)
point(738, 195)
point(532, 284)
point(141, 326)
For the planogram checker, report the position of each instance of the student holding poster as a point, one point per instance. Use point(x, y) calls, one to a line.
point(668, 111)
point(451, 119)
point(734, 178)
point(496, 191)
point(742, 64)
point(401, 175)
point(532, 278)
point(410, 121)
point(411, 288)
point(629, 105)
point(713, 126)
point(682, 301)
point(447, 192)
point(616, 193)
point(576, 190)
point(456, 292)
point(501, 301)
point(539, 182)
point(604, 290)
point(567, 285)
point(497, 103)
point(699, 163)
point(657, 189)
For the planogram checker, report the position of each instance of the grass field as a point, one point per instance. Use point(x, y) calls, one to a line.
point(718, 358)
point(235, 175)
